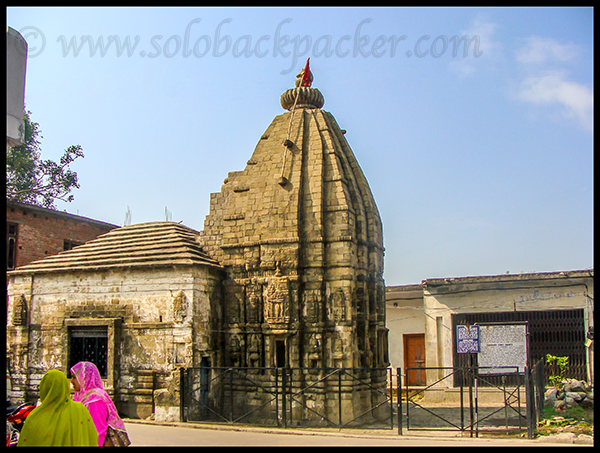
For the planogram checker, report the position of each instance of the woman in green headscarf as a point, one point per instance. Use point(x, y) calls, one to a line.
point(58, 420)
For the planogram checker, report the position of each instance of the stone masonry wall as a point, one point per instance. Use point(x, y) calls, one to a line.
point(158, 320)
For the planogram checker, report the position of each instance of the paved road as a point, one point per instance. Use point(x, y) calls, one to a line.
point(144, 434)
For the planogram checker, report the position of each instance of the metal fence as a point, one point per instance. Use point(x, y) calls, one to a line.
point(466, 411)
point(307, 397)
point(288, 397)
point(520, 408)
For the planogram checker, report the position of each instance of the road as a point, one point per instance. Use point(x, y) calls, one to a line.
point(147, 434)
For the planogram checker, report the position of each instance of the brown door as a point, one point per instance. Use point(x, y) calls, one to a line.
point(414, 357)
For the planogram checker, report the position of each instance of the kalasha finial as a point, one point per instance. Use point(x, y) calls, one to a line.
point(304, 96)
point(304, 78)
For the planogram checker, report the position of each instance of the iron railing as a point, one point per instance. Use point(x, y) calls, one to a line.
point(288, 396)
point(444, 416)
point(360, 398)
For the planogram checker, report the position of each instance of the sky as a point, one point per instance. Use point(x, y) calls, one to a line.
point(473, 126)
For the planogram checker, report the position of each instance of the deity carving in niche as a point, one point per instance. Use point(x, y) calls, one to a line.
point(254, 351)
point(253, 301)
point(277, 299)
point(235, 350)
point(311, 302)
point(180, 305)
point(19, 315)
point(338, 352)
point(314, 350)
point(337, 304)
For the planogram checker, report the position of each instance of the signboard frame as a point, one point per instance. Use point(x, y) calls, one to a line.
point(467, 339)
point(498, 361)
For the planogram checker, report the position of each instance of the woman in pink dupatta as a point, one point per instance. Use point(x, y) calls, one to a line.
point(89, 389)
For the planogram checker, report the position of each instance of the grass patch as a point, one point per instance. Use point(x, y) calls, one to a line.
point(577, 420)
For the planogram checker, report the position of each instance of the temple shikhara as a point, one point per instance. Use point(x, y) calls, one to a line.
point(287, 273)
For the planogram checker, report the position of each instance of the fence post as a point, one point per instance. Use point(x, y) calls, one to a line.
point(476, 377)
point(541, 386)
point(182, 417)
point(340, 397)
point(283, 397)
point(529, 410)
point(390, 375)
point(277, 396)
point(462, 399)
point(399, 397)
point(505, 401)
point(471, 419)
point(230, 370)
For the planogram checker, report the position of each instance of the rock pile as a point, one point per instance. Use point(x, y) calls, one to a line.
point(573, 393)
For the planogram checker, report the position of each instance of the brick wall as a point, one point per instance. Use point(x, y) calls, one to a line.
point(42, 232)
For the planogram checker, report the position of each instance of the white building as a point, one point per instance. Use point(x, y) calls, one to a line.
point(558, 306)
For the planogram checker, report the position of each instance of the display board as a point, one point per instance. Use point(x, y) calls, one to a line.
point(502, 345)
point(467, 339)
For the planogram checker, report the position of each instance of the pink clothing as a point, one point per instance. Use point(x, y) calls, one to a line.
point(92, 394)
point(99, 413)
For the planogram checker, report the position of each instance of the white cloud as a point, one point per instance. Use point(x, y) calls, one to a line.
point(485, 30)
point(488, 48)
point(573, 99)
point(546, 81)
point(538, 50)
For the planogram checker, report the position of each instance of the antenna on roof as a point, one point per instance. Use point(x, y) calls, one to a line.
point(127, 217)
point(168, 215)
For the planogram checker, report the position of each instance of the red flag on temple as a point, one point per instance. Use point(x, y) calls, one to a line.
point(307, 76)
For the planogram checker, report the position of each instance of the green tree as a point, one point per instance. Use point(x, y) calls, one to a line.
point(29, 179)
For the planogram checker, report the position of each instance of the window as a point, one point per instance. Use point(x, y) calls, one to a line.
point(11, 245)
point(94, 340)
point(89, 344)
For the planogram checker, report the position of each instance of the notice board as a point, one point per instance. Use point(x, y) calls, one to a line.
point(502, 345)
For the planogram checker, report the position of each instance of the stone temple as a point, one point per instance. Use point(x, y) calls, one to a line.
point(300, 236)
point(288, 272)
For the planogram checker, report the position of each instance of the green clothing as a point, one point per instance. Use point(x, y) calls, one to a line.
point(58, 420)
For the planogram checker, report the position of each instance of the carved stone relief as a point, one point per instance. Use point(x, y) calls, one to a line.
point(315, 350)
point(235, 350)
point(277, 299)
point(253, 301)
point(19, 315)
point(180, 306)
point(337, 305)
point(254, 351)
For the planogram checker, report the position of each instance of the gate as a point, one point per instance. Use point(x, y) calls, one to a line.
point(474, 415)
point(288, 396)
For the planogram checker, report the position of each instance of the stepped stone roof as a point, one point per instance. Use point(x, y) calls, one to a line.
point(148, 245)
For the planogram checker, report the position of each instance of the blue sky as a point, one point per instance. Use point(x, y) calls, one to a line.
point(480, 164)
